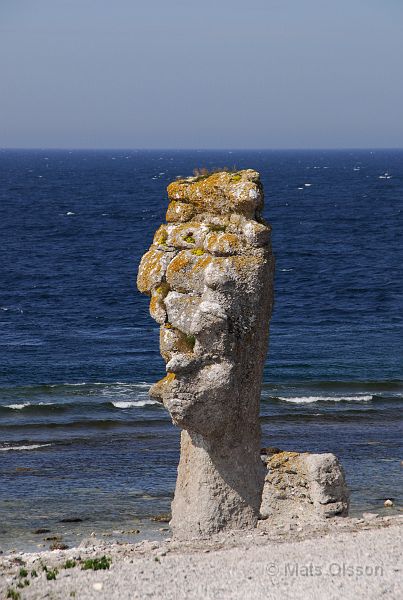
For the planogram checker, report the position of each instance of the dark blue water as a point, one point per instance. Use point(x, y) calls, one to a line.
point(79, 436)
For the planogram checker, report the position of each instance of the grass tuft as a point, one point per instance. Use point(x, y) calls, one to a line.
point(97, 564)
point(51, 574)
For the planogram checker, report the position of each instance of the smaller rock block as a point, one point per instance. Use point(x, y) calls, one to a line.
point(303, 486)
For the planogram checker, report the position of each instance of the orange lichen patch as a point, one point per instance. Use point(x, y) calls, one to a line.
point(157, 306)
point(223, 244)
point(182, 262)
point(177, 190)
point(179, 212)
point(245, 264)
point(221, 193)
point(157, 309)
point(285, 461)
point(186, 271)
point(173, 341)
point(162, 387)
point(152, 269)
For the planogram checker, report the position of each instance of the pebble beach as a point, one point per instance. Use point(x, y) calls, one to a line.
point(347, 558)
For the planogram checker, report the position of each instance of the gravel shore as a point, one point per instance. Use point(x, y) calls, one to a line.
point(345, 558)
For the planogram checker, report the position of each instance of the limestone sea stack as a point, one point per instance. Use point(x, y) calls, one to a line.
point(209, 273)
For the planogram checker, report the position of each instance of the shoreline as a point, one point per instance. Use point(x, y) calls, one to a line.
point(340, 558)
point(73, 532)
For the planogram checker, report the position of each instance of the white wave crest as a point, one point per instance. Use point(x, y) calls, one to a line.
point(31, 447)
point(132, 403)
point(311, 399)
point(18, 406)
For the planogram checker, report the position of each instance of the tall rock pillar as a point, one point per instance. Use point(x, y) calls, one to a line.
point(209, 273)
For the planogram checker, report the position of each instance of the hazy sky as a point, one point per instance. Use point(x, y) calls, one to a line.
point(205, 74)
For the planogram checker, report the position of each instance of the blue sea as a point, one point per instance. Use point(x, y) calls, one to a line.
point(79, 439)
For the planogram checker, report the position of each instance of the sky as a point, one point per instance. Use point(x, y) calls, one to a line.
point(208, 74)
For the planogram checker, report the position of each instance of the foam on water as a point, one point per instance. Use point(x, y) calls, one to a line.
point(30, 447)
point(311, 399)
point(134, 403)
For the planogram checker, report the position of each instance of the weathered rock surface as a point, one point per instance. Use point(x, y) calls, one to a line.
point(209, 274)
point(303, 488)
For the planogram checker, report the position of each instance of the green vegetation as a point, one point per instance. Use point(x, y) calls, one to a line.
point(162, 289)
point(162, 238)
point(34, 573)
point(217, 228)
point(97, 564)
point(51, 573)
point(189, 239)
point(13, 594)
point(69, 564)
point(23, 573)
point(191, 340)
point(202, 172)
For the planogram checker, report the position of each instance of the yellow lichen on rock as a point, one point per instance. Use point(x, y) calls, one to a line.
point(161, 387)
point(152, 269)
point(224, 244)
point(281, 459)
point(221, 193)
point(186, 235)
point(161, 235)
point(185, 273)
